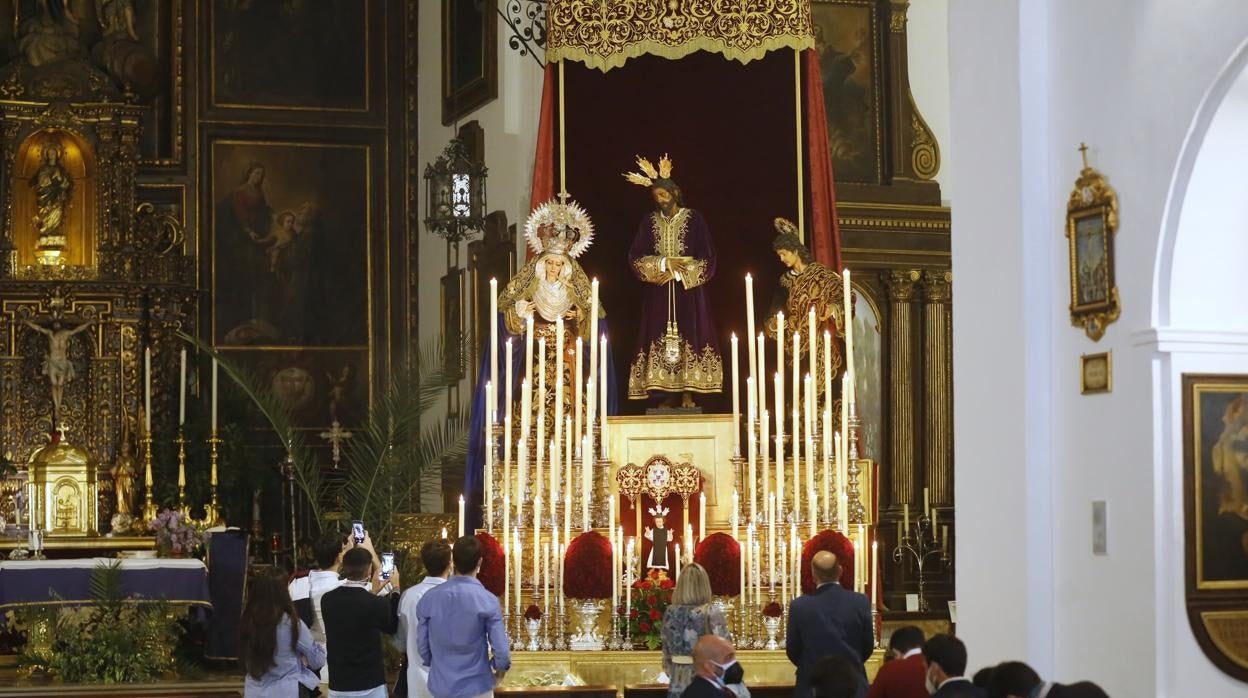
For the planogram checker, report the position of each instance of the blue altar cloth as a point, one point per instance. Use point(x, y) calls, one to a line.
point(46, 582)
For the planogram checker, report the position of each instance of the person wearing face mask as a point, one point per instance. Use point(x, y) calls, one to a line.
point(717, 674)
point(1017, 680)
point(945, 659)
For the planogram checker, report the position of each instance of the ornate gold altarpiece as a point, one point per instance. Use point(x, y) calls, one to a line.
point(121, 282)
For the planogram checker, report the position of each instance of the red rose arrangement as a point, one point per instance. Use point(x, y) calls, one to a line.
point(493, 561)
point(773, 610)
point(651, 596)
point(586, 567)
point(835, 543)
point(532, 612)
point(720, 554)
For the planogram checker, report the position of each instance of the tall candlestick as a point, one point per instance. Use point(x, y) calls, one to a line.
point(560, 350)
point(489, 462)
point(546, 576)
point(849, 333)
point(927, 507)
point(778, 379)
point(760, 386)
point(522, 473)
point(826, 464)
point(780, 340)
point(784, 573)
point(518, 557)
point(701, 518)
point(214, 395)
point(810, 451)
point(743, 556)
point(735, 515)
point(591, 396)
point(736, 400)
point(507, 404)
point(493, 320)
point(762, 452)
point(182, 391)
point(569, 439)
point(586, 477)
point(615, 553)
point(812, 341)
point(528, 350)
point(756, 370)
point(905, 512)
point(771, 542)
point(537, 545)
point(540, 448)
point(602, 395)
point(147, 389)
point(579, 389)
point(875, 574)
point(753, 465)
point(460, 531)
point(944, 539)
point(677, 562)
point(628, 587)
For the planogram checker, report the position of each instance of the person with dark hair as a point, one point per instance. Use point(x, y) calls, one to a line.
point(436, 556)
point(277, 649)
point(307, 591)
point(833, 677)
point(458, 624)
point(1017, 680)
point(945, 659)
point(903, 675)
point(673, 256)
point(355, 620)
point(806, 284)
point(832, 621)
point(983, 678)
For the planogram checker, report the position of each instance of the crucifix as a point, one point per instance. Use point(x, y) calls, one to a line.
point(1083, 151)
point(336, 436)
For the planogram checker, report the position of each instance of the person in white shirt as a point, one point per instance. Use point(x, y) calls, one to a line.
point(436, 556)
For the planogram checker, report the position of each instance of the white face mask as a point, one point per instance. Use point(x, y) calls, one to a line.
point(929, 683)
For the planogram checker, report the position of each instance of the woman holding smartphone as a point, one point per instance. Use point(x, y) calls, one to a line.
point(278, 652)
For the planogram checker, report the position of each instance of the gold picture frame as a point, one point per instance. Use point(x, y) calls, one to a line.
point(1091, 225)
point(1096, 373)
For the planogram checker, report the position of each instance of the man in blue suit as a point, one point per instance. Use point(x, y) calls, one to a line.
point(833, 621)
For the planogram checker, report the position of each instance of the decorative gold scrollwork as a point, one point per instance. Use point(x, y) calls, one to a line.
point(1091, 225)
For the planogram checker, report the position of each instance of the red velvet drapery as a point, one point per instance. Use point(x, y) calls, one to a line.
point(730, 130)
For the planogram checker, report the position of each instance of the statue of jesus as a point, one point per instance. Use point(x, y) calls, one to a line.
point(57, 365)
point(672, 254)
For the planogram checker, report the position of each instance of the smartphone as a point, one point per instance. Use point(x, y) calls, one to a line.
point(357, 529)
point(387, 564)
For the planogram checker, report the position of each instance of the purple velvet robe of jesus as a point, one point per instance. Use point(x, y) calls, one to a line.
point(698, 367)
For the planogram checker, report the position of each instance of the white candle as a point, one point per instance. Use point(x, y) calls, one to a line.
point(771, 542)
point(546, 577)
point(586, 476)
point(507, 404)
point(590, 396)
point(875, 574)
point(489, 462)
point(736, 400)
point(522, 472)
point(755, 370)
point(147, 390)
point(460, 531)
point(701, 516)
point(602, 395)
point(933, 520)
point(743, 555)
point(944, 539)
point(927, 507)
point(779, 383)
point(905, 512)
point(528, 350)
point(444, 533)
point(628, 577)
point(762, 451)
point(517, 558)
point(826, 463)
point(677, 562)
point(849, 333)
point(182, 391)
point(537, 546)
point(784, 573)
point(492, 406)
point(812, 341)
point(780, 339)
point(813, 498)
point(615, 553)
point(753, 465)
point(567, 472)
point(214, 395)
point(735, 515)
point(541, 426)
point(559, 400)
point(579, 389)
point(760, 387)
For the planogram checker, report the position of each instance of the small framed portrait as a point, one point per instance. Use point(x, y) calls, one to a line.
point(469, 56)
point(1091, 224)
point(1096, 374)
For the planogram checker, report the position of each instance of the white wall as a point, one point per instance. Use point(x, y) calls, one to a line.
point(1027, 85)
point(510, 124)
point(928, 34)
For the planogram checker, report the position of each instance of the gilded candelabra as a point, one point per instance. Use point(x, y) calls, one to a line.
point(149, 507)
point(920, 546)
point(212, 516)
point(182, 505)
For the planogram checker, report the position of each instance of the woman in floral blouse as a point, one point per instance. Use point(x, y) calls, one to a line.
point(689, 616)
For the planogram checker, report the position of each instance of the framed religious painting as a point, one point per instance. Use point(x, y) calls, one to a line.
point(1096, 373)
point(1215, 479)
point(469, 56)
point(847, 41)
point(1091, 224)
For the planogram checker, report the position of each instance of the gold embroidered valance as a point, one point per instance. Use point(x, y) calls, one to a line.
point(604, 34)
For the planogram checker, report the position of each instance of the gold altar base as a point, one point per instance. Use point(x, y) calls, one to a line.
point(626, 667)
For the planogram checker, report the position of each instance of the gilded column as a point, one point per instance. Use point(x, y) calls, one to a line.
point(938, 387)
point(901, 286)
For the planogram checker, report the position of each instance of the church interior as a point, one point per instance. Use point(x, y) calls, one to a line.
point(621, 288)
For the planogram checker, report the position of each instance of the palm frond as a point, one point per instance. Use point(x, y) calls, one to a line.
point(306, 473)
point(104, 583)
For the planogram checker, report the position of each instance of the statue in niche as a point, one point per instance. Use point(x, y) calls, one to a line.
point(57, 366)
point(47, 32)
point(124, 469)
point(674, 257)
point(53, 189)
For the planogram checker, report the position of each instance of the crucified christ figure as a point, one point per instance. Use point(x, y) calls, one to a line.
point(57, 366)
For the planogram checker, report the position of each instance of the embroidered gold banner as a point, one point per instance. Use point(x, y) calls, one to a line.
point(604, 34)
